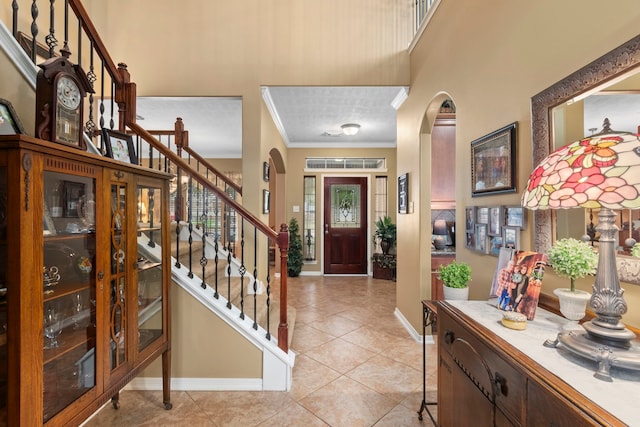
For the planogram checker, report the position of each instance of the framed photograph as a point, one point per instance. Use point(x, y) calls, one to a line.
point(119, 146)
point(470, 241)
point(9, 122)
point(470, 219)
point(515, 216)
point(73, 191)
point(496, 221)
point(495, 245)
point(481, 238)
point(493, 162)
point(266, 201)
point(265, 171)
point(482, 215)
point(403, 193)
point(511, 237)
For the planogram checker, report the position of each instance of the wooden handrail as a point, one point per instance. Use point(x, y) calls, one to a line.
point(182, 142)
point(149, 138)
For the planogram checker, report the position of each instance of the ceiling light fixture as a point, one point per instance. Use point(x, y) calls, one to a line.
point(350, 129)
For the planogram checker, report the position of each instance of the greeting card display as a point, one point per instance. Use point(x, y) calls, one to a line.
point(518, 280)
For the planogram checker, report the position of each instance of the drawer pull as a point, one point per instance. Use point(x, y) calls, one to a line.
point(448, 337)
point(500, 385)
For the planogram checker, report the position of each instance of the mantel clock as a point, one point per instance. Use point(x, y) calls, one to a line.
point(61, 87)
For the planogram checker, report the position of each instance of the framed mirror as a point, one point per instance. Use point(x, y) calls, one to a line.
point(548, 108)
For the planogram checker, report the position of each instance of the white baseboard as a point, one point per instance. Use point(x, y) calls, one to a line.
point(416, 336)
point(197, 384)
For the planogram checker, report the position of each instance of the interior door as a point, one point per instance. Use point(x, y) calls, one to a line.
point(345, 225)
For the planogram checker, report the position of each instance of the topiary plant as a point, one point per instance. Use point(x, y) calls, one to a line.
point(455, 275)
point(573, 259)
point(294, 260)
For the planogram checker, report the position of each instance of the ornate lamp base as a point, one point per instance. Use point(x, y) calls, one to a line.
point(606, 354)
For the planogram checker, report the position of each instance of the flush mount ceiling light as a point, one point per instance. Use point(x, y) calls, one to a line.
point(350, 129)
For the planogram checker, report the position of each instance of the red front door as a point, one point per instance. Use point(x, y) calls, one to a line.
point(345, 225)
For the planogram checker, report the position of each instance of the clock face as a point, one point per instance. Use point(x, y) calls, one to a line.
point(68, 93)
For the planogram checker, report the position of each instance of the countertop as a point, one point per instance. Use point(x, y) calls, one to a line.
point(619, 397)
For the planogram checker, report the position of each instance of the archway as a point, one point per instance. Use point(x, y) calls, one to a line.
point(437, 187)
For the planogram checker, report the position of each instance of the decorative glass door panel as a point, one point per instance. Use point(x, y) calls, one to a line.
point(69, 288)
point(345, 206)
point(118, 281)
point(149, 204)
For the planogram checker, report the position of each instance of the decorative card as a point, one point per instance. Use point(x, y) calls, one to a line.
point(518, 280)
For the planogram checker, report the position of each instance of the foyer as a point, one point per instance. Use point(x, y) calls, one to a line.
point(356, 365)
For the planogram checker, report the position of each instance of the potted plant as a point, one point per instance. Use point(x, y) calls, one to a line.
point(573, 259)
point(385, 233)
point(294, 260)
point(455, 277)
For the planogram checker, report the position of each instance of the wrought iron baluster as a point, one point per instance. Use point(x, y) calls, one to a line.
point(243, 270)
point(255, 278)
point(14, 19)
point(203, 260)
point(90, 126)
point(50, 39)
point(190, 222)
point(268, 328)
point(34, 30)
point(229, 277)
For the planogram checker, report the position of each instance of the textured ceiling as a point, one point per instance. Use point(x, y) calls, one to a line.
point(305, 117)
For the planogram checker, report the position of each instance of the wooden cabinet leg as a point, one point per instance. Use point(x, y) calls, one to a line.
point(166, 379)
point(115, 401)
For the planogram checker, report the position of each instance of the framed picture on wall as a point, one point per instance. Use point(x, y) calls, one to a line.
point(266, 201)
point(515, 216)
point(481, 238)
point(493, 162)
point(496, 220)
point(403, 193)
point(511, 237)
point(265, 171)
point(470, 219)
point(482, 215)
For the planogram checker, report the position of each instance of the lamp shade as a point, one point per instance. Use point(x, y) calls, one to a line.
point(600, 171)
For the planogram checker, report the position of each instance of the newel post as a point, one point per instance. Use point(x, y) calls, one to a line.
point(283, 327)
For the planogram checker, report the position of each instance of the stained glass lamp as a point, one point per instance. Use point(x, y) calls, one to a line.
point(601, 171)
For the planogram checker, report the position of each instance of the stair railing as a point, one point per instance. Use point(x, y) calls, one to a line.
point(115, 91)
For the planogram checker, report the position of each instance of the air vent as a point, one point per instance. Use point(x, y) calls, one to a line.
point(346, 163)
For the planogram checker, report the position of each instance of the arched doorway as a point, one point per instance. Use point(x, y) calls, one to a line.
point(438, 147)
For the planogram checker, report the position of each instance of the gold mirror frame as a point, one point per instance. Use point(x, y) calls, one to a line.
point(607, 67)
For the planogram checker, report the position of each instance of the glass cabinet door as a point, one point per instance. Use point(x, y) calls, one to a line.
point(118, 278)
point(69, 287)
point(149, 204)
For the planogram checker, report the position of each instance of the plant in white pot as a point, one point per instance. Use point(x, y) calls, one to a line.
point(573, 259)
point(455, 277)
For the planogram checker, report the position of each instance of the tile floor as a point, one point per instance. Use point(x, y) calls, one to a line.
point(356, 365)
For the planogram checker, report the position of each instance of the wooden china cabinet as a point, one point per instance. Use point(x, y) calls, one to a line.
point(84, 300)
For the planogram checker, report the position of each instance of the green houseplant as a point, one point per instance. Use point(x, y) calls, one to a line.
point(573, 259)
point(294, 260)
point(385, 233)
point(455, 277)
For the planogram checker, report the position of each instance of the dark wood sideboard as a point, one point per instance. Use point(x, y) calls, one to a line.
point(490, 375)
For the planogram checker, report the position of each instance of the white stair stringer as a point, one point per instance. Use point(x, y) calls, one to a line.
point(277, 366)
point(223, 254)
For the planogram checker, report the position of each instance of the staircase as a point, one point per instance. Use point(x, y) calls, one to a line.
point(221, 251)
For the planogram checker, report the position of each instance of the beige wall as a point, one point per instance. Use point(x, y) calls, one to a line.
point(195, 354)
point(492, 61)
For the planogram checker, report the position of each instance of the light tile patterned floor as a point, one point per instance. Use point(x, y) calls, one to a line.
point(356, 366)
